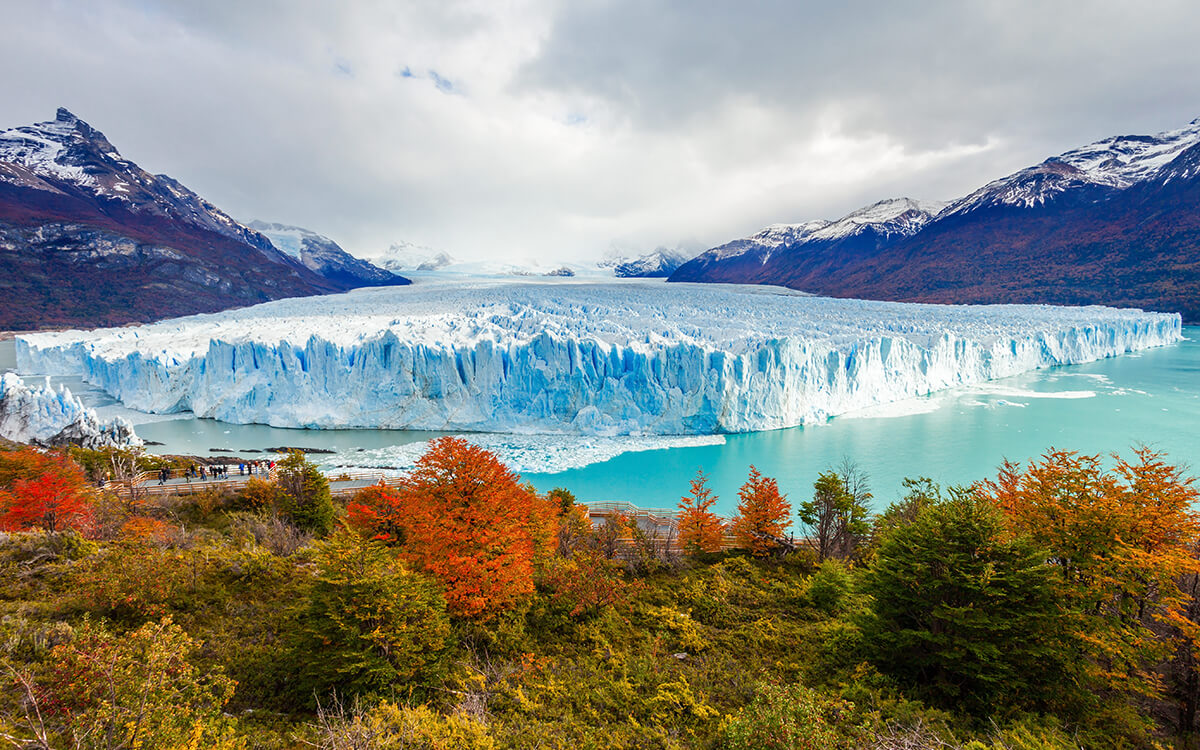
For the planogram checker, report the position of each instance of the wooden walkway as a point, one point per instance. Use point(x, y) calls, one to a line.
point(658, 525)
point(342, 485)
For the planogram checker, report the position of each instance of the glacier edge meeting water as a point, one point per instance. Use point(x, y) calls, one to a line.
point(575, 358)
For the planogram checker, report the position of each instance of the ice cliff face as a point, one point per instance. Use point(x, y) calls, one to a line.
point(47, 417)
point(560, 357)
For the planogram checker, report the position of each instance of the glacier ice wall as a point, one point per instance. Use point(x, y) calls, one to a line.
point(634, 358)
point(44, 416)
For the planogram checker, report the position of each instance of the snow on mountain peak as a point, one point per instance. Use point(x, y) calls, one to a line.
point(409, 256)
point(1114, 163)
point(894, 216)
point(45, 149)
point(891, 216)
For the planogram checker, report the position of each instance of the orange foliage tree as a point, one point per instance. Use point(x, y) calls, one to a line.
point(762, 516)
point(466, 519)
point(1122, 539)
point(700, 530)
point(377, 511)
point(47, 491)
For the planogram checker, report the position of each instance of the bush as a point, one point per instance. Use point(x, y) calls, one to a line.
point(140, 689)
point(392, 727)
point(830, 587)
point(305, 498)
point(371, 626)
point(965, 614)
point(786, 716)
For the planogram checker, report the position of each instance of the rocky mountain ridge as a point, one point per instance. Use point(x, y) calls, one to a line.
point(1114, 222)
point(92, 239)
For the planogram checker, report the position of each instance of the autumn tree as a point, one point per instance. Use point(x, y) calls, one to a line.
point(1122, 540)
point(467, 521)
point(376, 625)
point(700, 530)
point(304, 499)
point(546, 516)
point(47, 491)
point(835, 518)
point(24, 463)
point(377, 511)
point(762, 516)
point(574, 526)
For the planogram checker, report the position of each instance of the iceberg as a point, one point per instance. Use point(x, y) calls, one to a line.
point(44, 416)
point(573, 357)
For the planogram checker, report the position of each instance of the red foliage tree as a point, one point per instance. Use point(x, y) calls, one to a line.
point(48, 492)
point(377, 511)
point(700, 530)
point(466, 520)
point(763, 514)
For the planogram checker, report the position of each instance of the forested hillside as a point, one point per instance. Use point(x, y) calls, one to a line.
point(1048, 606)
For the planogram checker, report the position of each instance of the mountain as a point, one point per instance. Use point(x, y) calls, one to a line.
point(88, 238)
point(794, 254)
point(409, 256)
point(658, 264)
point(1114, 222)
point(323, 255)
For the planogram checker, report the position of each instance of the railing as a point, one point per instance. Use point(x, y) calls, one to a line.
point(662, 524)
point(147, 482)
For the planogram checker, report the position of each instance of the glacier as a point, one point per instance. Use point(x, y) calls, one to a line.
point(48, 417)
point(575, 357)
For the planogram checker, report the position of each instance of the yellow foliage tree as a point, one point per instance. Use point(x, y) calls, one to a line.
point(1122, 538)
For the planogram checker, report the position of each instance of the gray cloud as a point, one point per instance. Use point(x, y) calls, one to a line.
point(558, 129)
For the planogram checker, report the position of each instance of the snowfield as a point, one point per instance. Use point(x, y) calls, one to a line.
point(555, 357)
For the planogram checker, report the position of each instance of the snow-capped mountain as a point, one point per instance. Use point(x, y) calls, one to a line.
point(1114, 222)
point(409, 256)
point(67, 153)
point(323, 255)
point(1089, 173)
point(91, 238)
point(813, 245)
point(656, 265)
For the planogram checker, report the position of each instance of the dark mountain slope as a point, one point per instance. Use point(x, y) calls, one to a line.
point(1116, 222)
point(88, 238)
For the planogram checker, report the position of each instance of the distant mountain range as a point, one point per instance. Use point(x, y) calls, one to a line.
point(409, 256)
point(1116, 222)
point(324, 256)
point(658, 264)
point(88, 238)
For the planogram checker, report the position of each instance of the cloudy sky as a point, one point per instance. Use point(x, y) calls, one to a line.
point(557, 130)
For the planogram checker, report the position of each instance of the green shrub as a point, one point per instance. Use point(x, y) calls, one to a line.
point(786, 716)
point(830, 587)
point(371, 625)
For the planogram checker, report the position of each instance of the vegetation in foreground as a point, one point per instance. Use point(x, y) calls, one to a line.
point(1051, 606)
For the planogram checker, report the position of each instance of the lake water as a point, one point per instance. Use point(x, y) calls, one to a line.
point(958, 436)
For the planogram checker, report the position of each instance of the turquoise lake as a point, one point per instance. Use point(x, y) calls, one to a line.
point(1147, 398)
